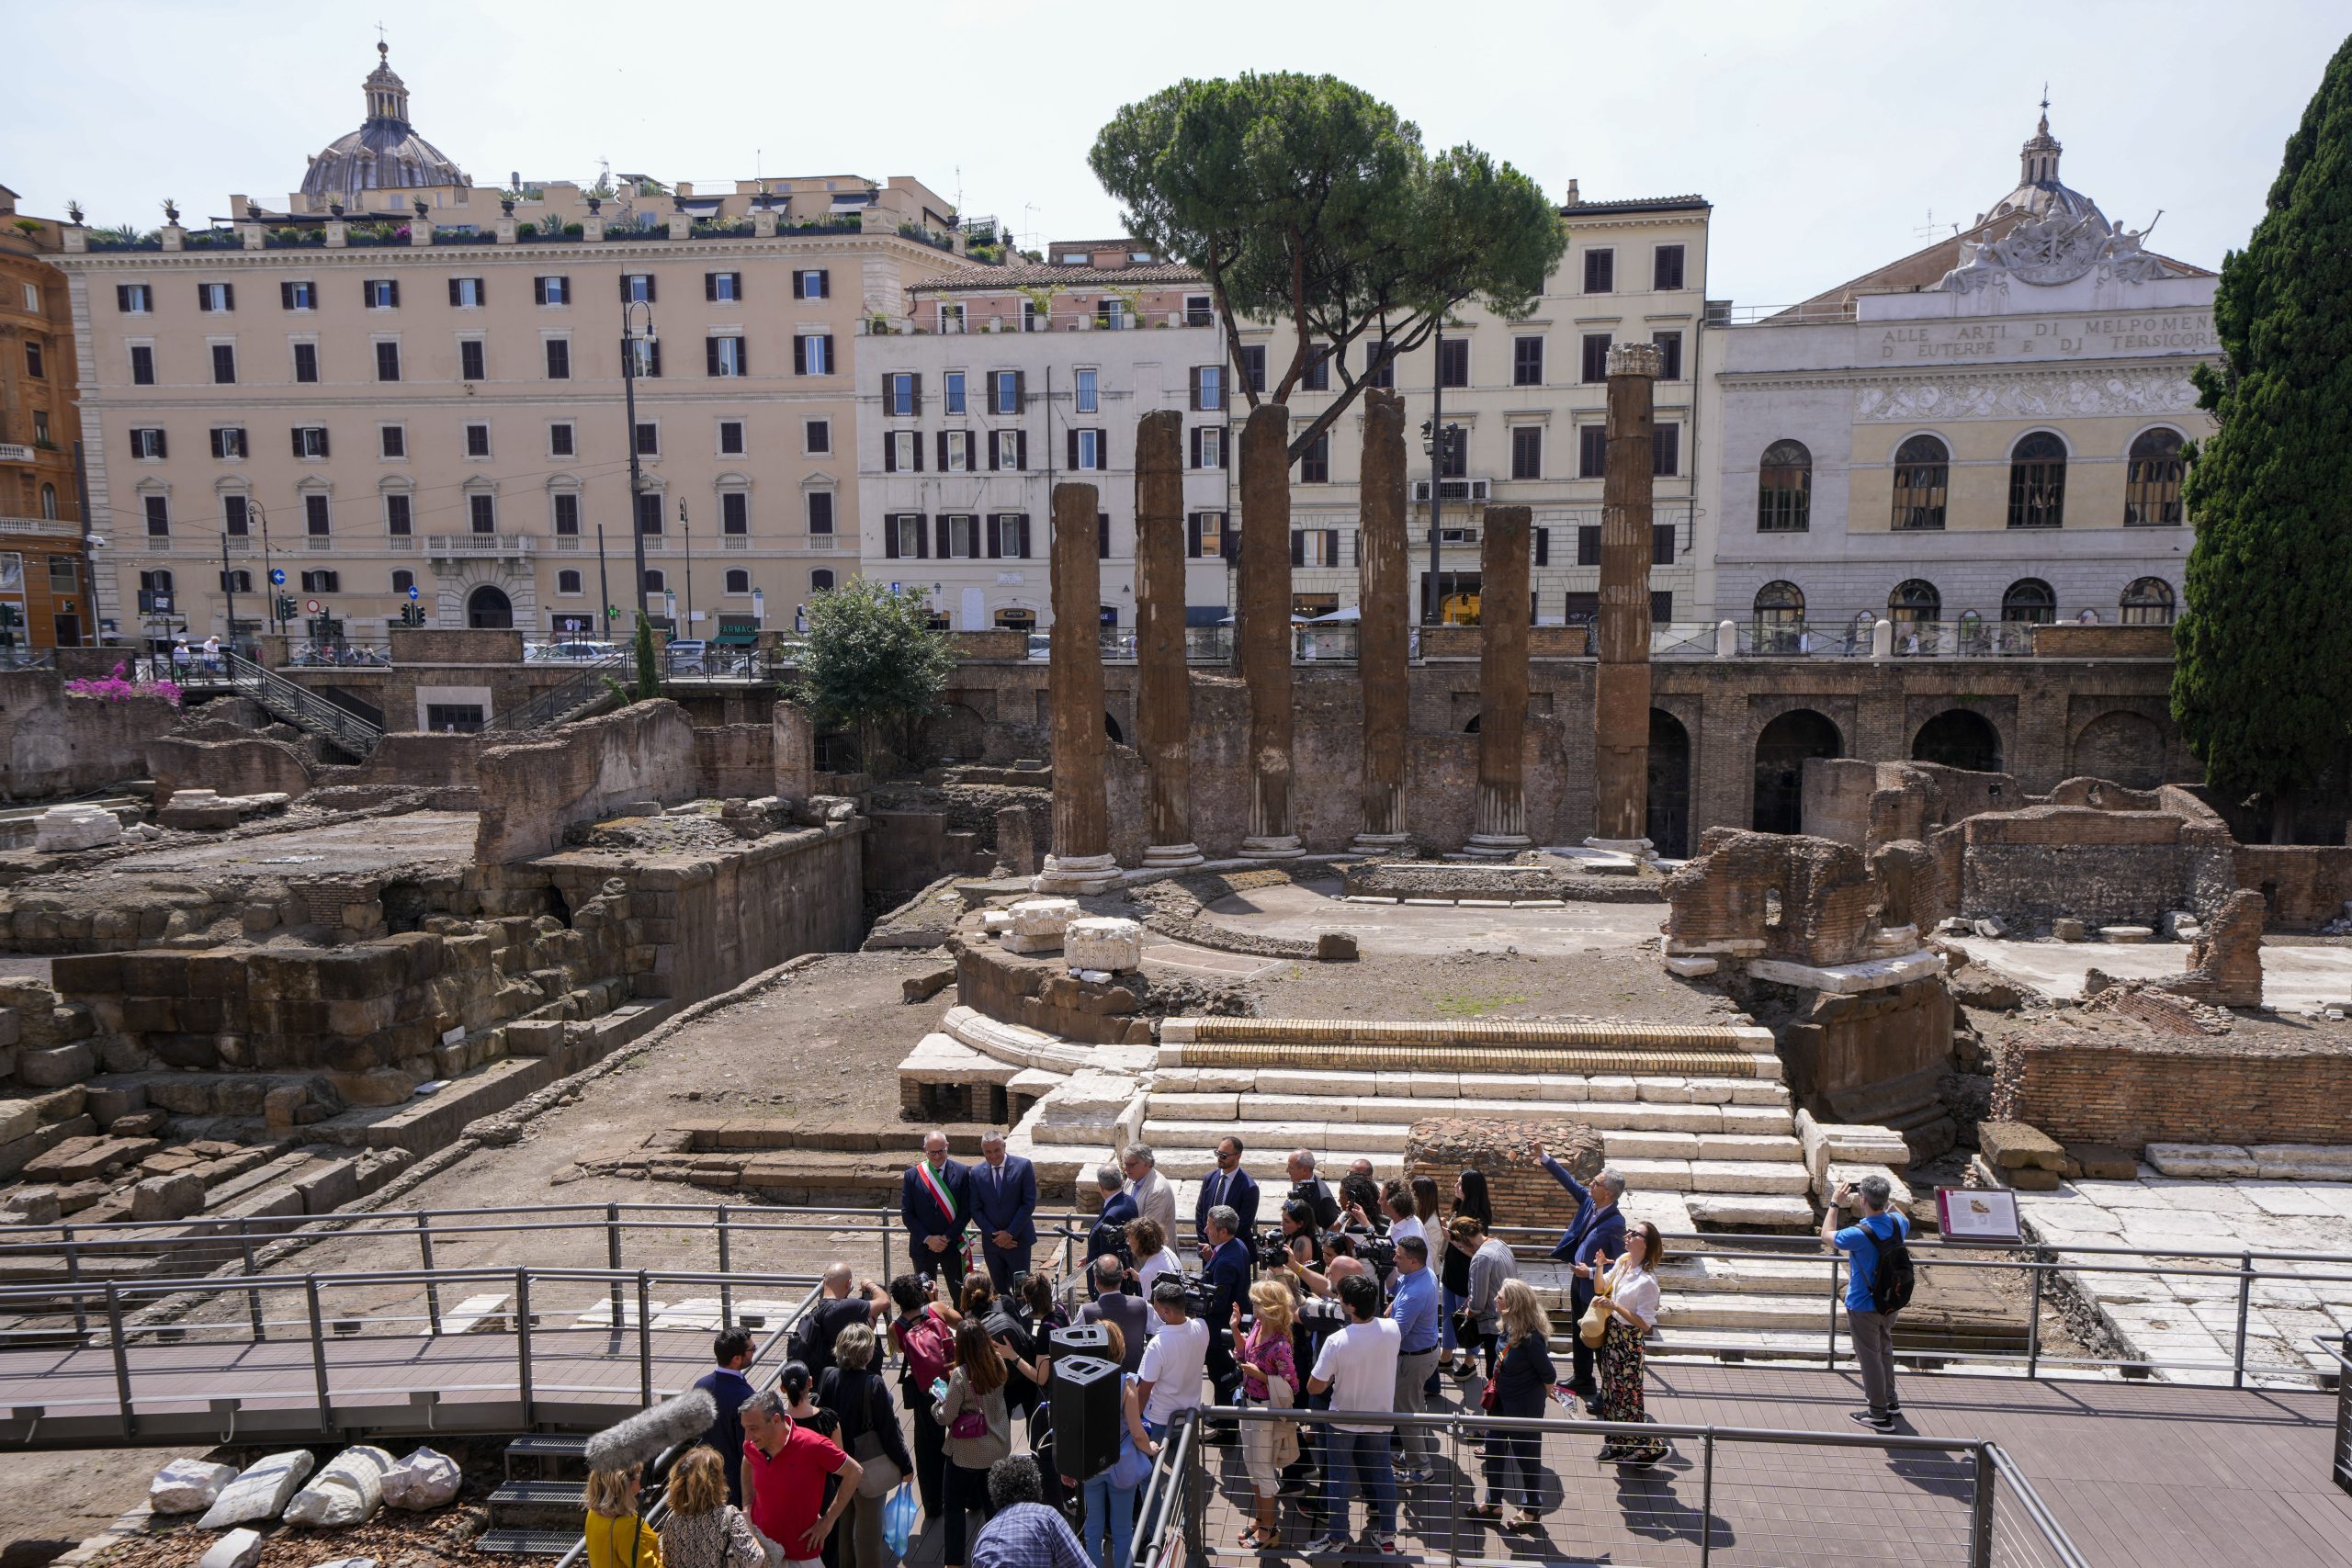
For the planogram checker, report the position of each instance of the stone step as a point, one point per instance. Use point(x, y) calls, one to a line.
point(1752, 1210)
point(1662, 1089)
point(1759, 1274)
point(1606, 1116)
point(1498, 1032)
point(1183, 1150)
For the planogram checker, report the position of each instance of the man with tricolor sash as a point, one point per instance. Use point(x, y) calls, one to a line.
point(936, 1202)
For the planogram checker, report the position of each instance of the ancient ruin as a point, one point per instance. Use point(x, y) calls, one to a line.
point(1382, 628)
point(1620, 703)
point(1164, 711)
point(1080, 860)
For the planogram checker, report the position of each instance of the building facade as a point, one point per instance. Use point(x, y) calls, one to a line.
point(1006, 380)
point(401, 393)
point(45, 597)
point(1986, 433)
point(1530, 397)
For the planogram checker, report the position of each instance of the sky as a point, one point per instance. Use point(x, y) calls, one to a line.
point(1831, 137)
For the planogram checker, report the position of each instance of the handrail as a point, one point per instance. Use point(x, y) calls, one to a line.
point(2053, 1535)
point(546, 708)
point(301, 706)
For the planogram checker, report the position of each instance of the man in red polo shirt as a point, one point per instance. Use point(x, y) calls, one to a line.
point(784, 1466)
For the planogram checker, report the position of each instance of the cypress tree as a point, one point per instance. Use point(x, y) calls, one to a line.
point(648, 669)
point(2262, 685)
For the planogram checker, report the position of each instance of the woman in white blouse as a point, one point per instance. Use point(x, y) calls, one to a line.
point(1631, 1287)
point(1153, 1257)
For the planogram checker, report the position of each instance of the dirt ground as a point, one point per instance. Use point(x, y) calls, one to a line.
point(49, 1503)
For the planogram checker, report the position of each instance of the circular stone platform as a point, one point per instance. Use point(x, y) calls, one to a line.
point(1303, 911)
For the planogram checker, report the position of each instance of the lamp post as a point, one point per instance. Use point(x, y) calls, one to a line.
point(261, 511)
point(1439, 441)
point(628, 392)
point(229, 589)
point(603, 582)
point(686, 541)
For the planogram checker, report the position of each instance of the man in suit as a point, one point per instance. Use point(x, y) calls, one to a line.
point(1154, 1194)
point(1004, 1203)
point(1598, 1231)
point(935, 1204)
point(1230, 1185)
point(1311, 1189)
point(1109, 1234)
point(1226, 1270)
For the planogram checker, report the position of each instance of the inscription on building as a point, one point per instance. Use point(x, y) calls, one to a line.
point(2175, 332)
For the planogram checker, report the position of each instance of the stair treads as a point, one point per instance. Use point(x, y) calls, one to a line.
point(1435, 1056)
point(1487, 1032)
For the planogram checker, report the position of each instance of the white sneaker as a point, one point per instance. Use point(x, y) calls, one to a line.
point(1326, 1545)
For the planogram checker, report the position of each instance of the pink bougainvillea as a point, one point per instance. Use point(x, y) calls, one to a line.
point(116, 688)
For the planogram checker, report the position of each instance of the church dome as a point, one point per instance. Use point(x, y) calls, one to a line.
point(2039, 190)
point(384, 153)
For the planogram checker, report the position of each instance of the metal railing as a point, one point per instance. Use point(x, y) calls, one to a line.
point(557, 702)
point(300, 707)
point(2234, 1274)
point(340, 653)
point(1885, 1499)
point(2339, 1349)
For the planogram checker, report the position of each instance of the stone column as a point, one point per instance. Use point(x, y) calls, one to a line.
point(1164, 704)
point(1498, 828)
point(1382, 627)
point(1080, 860)
point(795, 753)
point(1621, 707)
point(1262, 634)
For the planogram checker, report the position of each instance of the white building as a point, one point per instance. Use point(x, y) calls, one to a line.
point(967, 423)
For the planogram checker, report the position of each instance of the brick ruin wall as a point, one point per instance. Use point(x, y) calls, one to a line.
point(735, 760)
point(2031, 867)
point(56, 743)
point(532, 792)
point(2204, 1091)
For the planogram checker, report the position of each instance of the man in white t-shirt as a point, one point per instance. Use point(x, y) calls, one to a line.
point(1169, 1382)
point(1357, 1365)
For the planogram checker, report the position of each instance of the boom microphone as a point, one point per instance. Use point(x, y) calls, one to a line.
point(644, 1436)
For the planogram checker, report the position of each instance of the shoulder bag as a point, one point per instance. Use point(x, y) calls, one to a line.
point(880, 1474)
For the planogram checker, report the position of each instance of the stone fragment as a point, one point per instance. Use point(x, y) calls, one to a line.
point(2126, 934)
point(423, 1478)
point(2103, 1162)
point(922, 987)
point(2204, 1161)
point(2023, 1180)
point(238, 1549)
point(62, 828)
point(1991, 929)
point(1692, 968)
point(56, 1067)
point(2015, 1146)
point(186, 1485)
point(18, 1119)
point(34, 1205)
point(260, 1490)
point(2065, 928)
point(172, 1197)
point(1335, 947)
point(345, 1492)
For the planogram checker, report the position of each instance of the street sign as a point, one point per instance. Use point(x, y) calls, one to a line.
point(277, 576)
point(311, 605)
point(412, 590)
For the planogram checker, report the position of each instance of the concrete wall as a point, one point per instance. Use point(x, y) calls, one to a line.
point(531, 793)
point(58, 744)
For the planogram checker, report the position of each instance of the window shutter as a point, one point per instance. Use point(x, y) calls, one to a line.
point(453, 291)
point(1196, 459)
point(649, 288)
point(1021, 462)
point(1194, 375)
point(203, 298)
point(830, 360)
point(1021, 396)
point(710, 355)
point(942, 457)
point(941, 522)
point(1331, 547)
point(992, 435)
point(1193, 534)
point(917, 445)
point(655, 346)
point(824, 283)
point(1542, 547)
point(742, 356)
point(887, 406)
point(229, 295)
point(801, 357)
point(994, 542)
point(1298, 546)
point(1229, 540)
point(1102, 535)
point(1072, 464)
point(367, 293)
point(890, 538)
point(538, 292)
point(918, 395)
point(624, 288)
point(735, 281)
point(799, 286)
point(298, 441)
point(122, 296)
point(922, 533)
point(1023, 521)
point(889, 453)
point(710, 286)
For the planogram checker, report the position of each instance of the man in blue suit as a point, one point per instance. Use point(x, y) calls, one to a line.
point(1004, 1203)
point(1230, 1185)
point(936, 1202)
point(1109, 1233)
point(1596, 1232)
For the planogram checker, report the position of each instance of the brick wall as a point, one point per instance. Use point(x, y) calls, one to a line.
point(735, 760)
point(57, 744)
point(531, 793)
point(2104, 867)
point(2216, 1090)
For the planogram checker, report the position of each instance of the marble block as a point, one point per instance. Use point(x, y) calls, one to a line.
point(1104, 943)
point(63, 828)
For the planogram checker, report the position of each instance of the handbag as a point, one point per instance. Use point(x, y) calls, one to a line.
point(881, 1474)
point(1593, 1327)
point(1280, 1396)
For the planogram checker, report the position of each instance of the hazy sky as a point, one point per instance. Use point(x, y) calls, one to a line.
point(1824, 133)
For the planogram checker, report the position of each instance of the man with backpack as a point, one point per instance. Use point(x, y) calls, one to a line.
point(1879, 1278)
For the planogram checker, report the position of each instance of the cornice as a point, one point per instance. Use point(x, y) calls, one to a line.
point(1982, 371)
point(750, 246)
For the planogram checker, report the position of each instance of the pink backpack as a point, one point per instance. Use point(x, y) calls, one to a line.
point(929, 1348)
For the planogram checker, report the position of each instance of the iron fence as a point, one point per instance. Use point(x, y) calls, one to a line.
point(1719, 1493)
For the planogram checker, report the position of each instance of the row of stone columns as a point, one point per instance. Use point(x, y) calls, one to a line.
point(1082, 860)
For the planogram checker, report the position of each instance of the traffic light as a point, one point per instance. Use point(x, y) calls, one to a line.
point(412, 614)
point(286, 608)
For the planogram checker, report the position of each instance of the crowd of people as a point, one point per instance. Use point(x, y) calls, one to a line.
point(1360, 1300)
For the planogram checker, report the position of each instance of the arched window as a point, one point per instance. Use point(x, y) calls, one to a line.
point(738, 581)
point(1922, 476)
point(2037, 481)
point(2152, 481)
point(1784, 489)
point(402, 580)
point(567, 582)
point(1780, 617)
point(820, 579)
point(2147, 601)
point(49, 500)
point(1914, 603)
point(2029, 599)
point(654, 580)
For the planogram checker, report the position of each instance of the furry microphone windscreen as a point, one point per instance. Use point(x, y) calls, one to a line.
point(642, 1437)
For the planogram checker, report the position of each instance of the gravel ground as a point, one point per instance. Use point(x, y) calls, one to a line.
point(50, 1502)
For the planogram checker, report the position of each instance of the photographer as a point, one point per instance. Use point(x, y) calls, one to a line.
point(1360, 1206)
point(1311, 1190)
point(1109, 1234)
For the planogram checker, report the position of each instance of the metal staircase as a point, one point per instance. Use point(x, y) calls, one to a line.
point(302, 707)
point(579, 697)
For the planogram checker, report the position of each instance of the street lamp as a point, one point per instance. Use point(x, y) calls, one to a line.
point(686, 542)
point(1439, 442)
point(630, 340)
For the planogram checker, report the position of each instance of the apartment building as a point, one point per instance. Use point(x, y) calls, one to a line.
point(1529, 398)
point(405, 388)
point(44, 575)
point(1005, 380)
point(1986, 432)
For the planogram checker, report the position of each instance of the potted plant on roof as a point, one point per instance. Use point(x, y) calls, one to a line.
point(171, 210)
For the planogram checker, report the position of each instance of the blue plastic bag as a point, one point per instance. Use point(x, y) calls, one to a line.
point(899, 1520)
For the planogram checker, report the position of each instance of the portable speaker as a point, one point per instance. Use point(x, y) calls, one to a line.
point(1085, 1394)
point(1080, 1339)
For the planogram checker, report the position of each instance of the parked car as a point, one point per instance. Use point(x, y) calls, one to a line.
point(573, 652)
point(684, 656)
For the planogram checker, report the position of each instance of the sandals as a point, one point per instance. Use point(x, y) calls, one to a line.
point(1520, 1519)
point(1485, 1510)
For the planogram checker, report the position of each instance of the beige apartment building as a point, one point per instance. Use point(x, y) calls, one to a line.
point(407, 388)
point(1530, 398)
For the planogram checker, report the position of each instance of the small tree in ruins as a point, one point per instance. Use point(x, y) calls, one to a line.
point(1304, 200)
point(874, 665)
point(648, 667)
point(2263, 681)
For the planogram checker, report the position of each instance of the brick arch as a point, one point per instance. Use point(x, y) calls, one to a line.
point(2121, 745)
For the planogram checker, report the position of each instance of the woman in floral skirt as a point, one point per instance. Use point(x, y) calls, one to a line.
point(1632, 1284)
